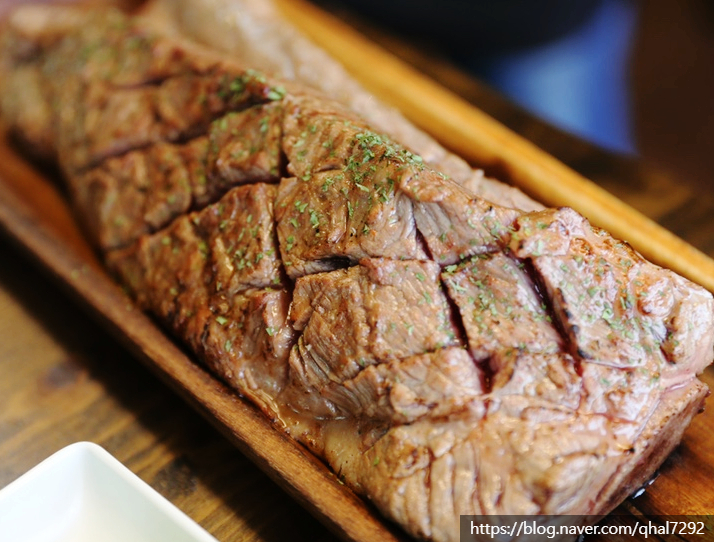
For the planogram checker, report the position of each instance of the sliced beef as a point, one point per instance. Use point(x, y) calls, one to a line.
point(246, 341)
point(245, 146)
point(660, 434)
point(329, 220)
point(26, 111)
point(625, 395)
point(168, 275)
point(319, 136)
point(108, 121)
point(434, 384)
point(350, 319)
point(227, 247)
point(454, 223)
point(343, 202)
point(101, 44)
point(543, 380)
point(398, 304)
point(499, 307)
point(141, 191)
point(213, 278)
point(617, 309)
point(529, 450)
point(240, 236)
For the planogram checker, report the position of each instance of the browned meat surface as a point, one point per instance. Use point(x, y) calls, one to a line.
point(343, 202)
point(254, 32)
point(617, 309)
point(213, 277)
point(444, 354)
point(499, 306)
point(455, 224)
point(405, 390)
point(141, 191)
point(355, 318)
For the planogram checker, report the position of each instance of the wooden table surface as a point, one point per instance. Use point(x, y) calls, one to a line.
point(64, 379)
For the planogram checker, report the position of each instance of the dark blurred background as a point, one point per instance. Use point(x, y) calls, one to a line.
point(633, 77)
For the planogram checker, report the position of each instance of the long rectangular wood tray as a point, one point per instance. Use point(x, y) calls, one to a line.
point(34, 213)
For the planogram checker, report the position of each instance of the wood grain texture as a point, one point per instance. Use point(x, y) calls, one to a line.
point(67, 376)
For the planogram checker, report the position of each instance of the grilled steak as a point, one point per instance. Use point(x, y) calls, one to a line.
point(444, 354)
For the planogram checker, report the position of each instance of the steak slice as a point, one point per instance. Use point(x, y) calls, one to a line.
point(342, 202)
point(617, 309)
point(350, 319)
point(319, 135)
point(107, 121)
point(141, 191)
point(247, 343)
point(434, 384)
point(547, 381)
point(228, 246)
point(499, 307)
point(455, 224)
point(245, 146)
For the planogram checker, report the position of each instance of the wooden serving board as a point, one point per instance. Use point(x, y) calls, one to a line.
point(34, 213)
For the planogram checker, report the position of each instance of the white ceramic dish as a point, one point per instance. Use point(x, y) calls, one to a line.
point(83, 494)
